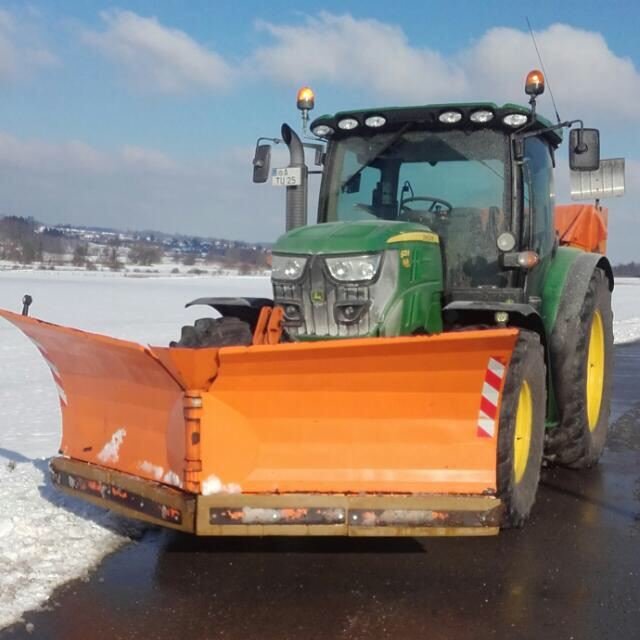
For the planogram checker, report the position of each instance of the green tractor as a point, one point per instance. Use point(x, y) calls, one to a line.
point(440, 330)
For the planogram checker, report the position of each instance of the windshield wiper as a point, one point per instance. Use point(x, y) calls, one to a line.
point(373, 158)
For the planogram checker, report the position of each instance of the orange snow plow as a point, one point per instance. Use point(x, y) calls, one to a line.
point(383, 436)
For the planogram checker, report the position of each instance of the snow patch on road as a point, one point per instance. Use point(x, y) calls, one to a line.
point(47, 539)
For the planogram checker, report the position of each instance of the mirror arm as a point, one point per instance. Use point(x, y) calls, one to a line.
point(274, 140)
point(561, 125)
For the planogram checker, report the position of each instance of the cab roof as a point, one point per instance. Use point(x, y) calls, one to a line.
point(426, 117)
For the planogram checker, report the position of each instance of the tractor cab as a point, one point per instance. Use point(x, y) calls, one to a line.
point(450, 169)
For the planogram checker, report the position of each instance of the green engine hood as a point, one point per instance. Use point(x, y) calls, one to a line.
point(362, 236)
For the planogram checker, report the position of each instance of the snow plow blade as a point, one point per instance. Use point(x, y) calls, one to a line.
point(370, 436)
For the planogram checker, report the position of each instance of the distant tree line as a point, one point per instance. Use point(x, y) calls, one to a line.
point(627, 270)
point(145, 253)
point(20, 242)
point(24, 241)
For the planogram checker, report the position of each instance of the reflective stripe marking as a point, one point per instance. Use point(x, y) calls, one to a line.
point(486, 425)
point(495, 366)
point(489, 399)
point(488, 409)
point(492, 379)
point(490, 393)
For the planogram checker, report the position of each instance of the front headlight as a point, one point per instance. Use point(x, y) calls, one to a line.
point(354, 268)
point(287, 267)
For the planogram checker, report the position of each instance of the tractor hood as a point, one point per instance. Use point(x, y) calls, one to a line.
point(365, 236)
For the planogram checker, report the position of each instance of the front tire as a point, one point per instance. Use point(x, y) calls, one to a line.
point(583, 381)
point(215, 332)
point(521, 429)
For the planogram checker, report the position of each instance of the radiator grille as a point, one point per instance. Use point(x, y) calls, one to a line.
point(318, 297)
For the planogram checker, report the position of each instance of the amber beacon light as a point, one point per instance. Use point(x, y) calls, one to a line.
point(305, 99)
point(534, 84)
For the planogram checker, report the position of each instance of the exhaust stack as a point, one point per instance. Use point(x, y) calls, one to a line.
point(296, 195)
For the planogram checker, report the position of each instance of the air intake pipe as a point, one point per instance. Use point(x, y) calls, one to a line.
point(296, 195)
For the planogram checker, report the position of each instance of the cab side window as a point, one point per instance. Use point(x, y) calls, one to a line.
point(357, 196)
point(539, 195)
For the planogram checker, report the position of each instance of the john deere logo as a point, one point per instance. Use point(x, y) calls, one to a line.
point(317, 297)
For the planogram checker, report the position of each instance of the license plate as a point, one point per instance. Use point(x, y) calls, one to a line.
point(287, 177)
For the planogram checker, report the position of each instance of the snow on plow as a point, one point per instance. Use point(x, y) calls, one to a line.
point(368, 436)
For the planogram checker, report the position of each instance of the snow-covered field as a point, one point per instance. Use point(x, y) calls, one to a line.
point(626, 310)
point(45, 538)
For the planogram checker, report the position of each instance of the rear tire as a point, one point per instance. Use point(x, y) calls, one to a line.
point(521, 429)
point(215, 332)
point(583, 381)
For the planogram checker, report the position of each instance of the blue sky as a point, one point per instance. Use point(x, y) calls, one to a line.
point(143, 114)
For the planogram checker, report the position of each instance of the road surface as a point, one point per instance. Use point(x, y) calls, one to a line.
point(572, 572)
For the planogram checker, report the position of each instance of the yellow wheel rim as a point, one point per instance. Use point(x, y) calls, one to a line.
point(522, 437)
point(595, 371)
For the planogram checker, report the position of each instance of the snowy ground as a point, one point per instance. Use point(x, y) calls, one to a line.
point(45, 538)
point(626, 310)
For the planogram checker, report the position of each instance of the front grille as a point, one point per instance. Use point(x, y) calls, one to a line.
point(319, 299)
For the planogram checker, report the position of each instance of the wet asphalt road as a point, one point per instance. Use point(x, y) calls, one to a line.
point(572, 572)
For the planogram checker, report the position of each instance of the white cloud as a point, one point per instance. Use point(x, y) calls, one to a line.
point(137, 188)
point(363, 54)
point(156, 57)
point(378, 60)
point(38, 155)
point(21, 51)
point(74, 156)
point(147, 159)
point(585, 74)
point(359, 54)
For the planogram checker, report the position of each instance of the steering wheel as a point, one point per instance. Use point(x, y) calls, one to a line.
point(424, 217)
point(434, 203)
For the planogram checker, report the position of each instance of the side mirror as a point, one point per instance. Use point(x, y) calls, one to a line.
point(261, 163)
point(584, 149)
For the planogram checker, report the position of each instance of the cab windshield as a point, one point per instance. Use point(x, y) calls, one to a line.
point(454, 182)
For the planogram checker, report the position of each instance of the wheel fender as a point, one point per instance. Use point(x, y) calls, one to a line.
point(571, 295)
point(564, 295)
